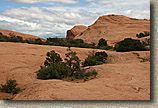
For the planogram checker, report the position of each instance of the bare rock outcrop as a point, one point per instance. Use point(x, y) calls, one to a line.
point(114, 28)
point(75, 31)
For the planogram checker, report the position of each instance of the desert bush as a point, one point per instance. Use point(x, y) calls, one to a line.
point(91, 60)
point(38, 41)
point(52, 57)
point(140, 35)
point(102, 42)
point(55, 40)
point(12, 38)
point(10, 87)
point(95, 59)
point(91, 73)
point(4, 38)
point(73, 62)
point(75, 41)
point(82, 74)
point(53, 71)
point(101, 56)
point(129, 44)
point(16, 39)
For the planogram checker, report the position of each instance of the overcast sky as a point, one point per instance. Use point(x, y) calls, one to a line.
point(51, 18)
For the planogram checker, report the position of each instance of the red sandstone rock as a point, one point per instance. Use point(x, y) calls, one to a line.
point(114, 28)
point(75, 31)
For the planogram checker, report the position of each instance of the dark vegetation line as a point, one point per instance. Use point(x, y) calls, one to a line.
point(56, 42)
point(127, 44)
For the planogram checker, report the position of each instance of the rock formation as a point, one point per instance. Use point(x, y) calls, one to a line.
point(75, 31)
point(24, 36)
point(114, 28)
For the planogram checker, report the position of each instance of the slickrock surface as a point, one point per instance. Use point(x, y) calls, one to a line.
point(124, 77)
point(114, 28)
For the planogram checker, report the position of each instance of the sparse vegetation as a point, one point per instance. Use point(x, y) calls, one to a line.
point(95, 59)
point(102, 42)
point(82, 74)
point(53, 71)
point(70, 69)
point(145, 59)
point(10, 87)
point(4, 38)
point(57, 42)
point(129, 44)
point(140, 35)
point(73, 62)
point(103, 45)
point(52, 57)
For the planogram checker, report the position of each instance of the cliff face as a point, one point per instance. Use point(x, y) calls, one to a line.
point(114, 28)
point(75, 31)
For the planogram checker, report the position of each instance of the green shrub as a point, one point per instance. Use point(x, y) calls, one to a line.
point(52, 57)
point(38, 41)
point(101, 56)
point(14, 38)
point(55, 40)
point(140, 35)
point(129, 44)
point(95, 59)
point(73, 62)
point(53, 71)
point(82, 74)
point(10, 87)
point(70, 69)
point(4, 38)
point(76, 41)
point(102, 42)
point(103, 45)
point(91, 61)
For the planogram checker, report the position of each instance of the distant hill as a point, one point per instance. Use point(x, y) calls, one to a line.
point(24, 36)
point(114, 28)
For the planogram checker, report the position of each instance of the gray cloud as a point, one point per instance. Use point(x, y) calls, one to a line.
point(43, 21)
point(43, 1)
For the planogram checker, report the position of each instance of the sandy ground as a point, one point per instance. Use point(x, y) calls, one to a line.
point(124, 77)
